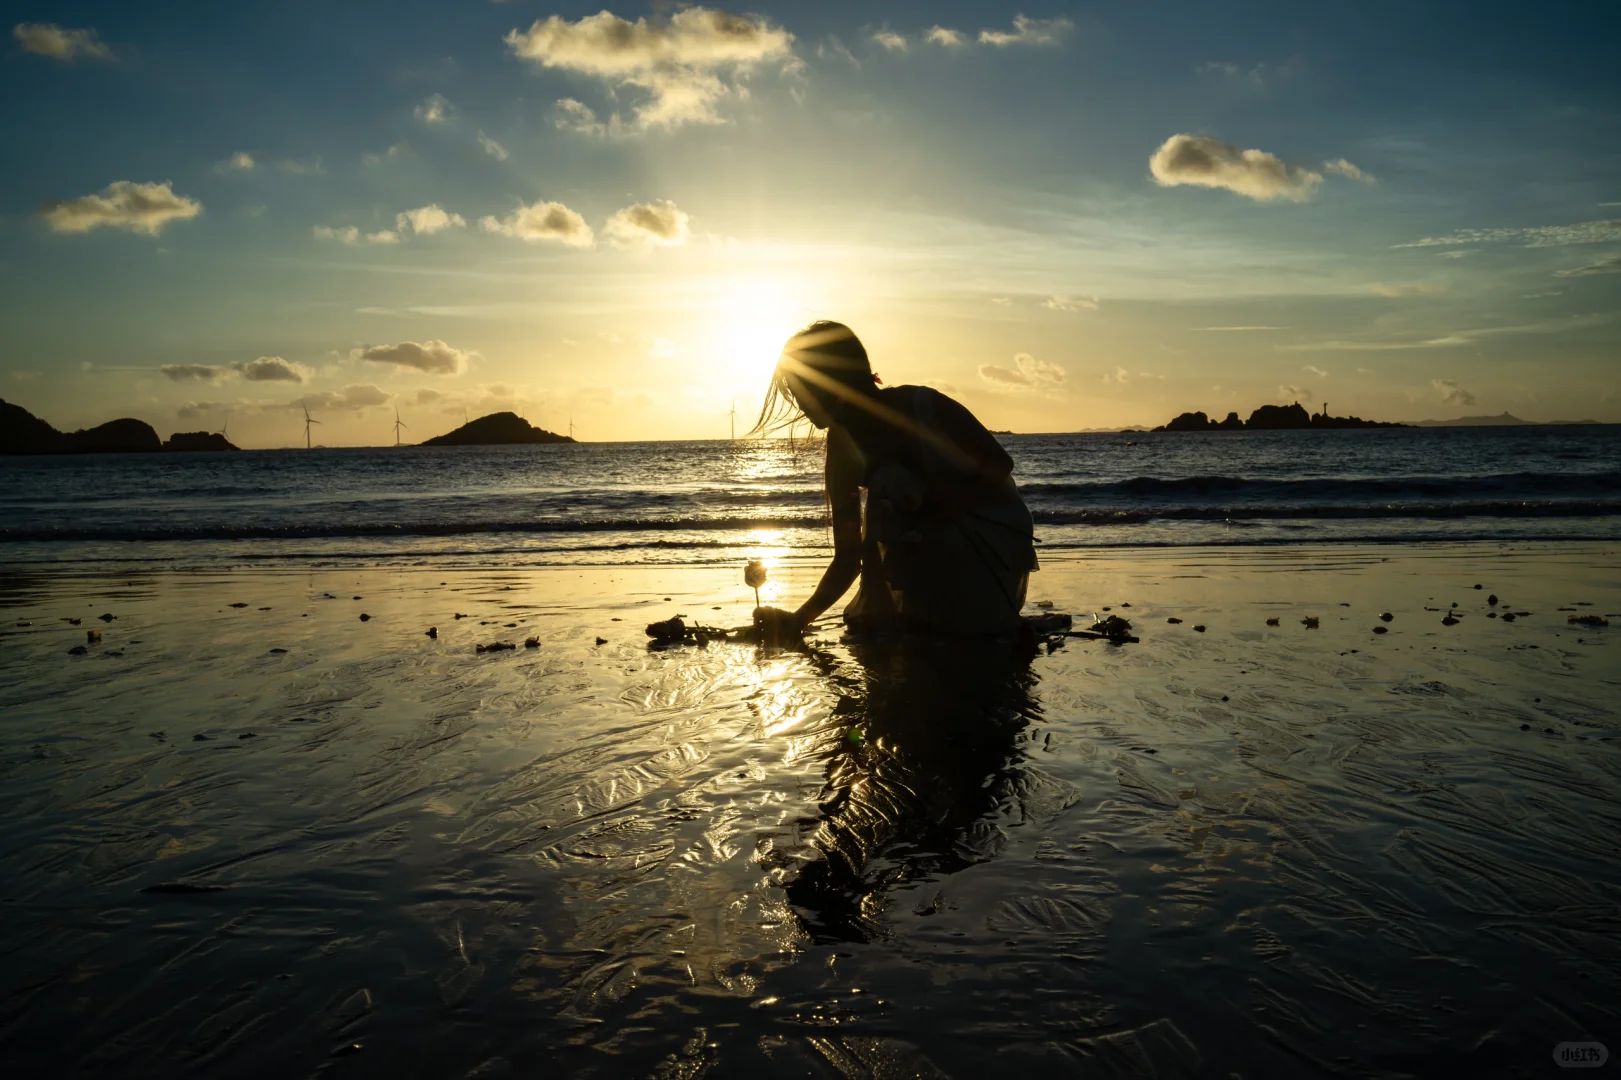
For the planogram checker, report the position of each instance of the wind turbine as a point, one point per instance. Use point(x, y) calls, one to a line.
point(307, 423)
point(733, 415)
point(225, 428)
point(571, 427)
point(398, 424)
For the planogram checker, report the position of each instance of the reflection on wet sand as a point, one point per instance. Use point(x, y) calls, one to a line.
point(920, 755)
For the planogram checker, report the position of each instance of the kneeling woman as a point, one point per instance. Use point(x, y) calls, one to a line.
point(945, 545)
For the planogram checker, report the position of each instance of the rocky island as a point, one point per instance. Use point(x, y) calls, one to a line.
point(21, 432)
point(497, 429)
point(1272, 418)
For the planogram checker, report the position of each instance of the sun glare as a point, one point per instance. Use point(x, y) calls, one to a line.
point(753, 319)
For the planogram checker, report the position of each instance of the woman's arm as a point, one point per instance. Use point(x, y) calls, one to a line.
point(842, 478)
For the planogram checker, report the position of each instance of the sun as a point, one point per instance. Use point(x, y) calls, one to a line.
point(752, 321)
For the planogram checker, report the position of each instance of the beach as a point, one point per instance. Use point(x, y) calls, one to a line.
point(250, 832)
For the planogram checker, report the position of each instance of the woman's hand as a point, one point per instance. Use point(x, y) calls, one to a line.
point(777, 626)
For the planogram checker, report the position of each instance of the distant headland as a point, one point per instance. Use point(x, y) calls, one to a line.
point(497, 429)
point(1272, 418)
point(21, 432)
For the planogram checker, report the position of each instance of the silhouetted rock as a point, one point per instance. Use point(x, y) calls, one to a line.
point(124, 436)
point(21, 432)
point(1272, 418)
point(1279, 417)
point(497, 429)
point(1232, 423)
point(199, 440)
point(1190, 421)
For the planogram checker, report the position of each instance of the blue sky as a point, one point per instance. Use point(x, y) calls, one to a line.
point(1067, 216)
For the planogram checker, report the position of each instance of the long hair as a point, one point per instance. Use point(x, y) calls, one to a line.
point(824, 353)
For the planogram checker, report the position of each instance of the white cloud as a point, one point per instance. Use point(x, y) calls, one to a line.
point(1317, 371)
point(272, 369)
point(1206, 162)
point(542, 221)
point(657, 223)
point(890, 40)
point(1610, 265)
point(393, 153)
point(343, 234)
point(60, 43)
point(491, 147)
point(686, 63)
point(1415, 289)
point(1294, 393)
point(434, 109)
point(571, 115)
point(141, 208)
point(241, 161)
point(1070, 303)
point(946, 37)
point(1025, 374)
point(1002, 301)
point(1452, 393)
point(355, 398)
point(433, 357)
point(301, 168)
point(208, 373)
point(1341, 167)
point(1027, 31)
point(1587, 232)
point(426, 220)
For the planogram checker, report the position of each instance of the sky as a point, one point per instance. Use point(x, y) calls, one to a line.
point(214, 217)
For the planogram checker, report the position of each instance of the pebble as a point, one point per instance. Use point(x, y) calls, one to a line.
point(531, 643)
point(92, 637)
point(1525, 727)
point(1381, 629)
point(459, 615)
point(433, 632)
point(77, 650)
point(1128, 605)
point(602, 641)
point(1199, 628)
point(1478, 587)
point(364, 617)
point(106, 618)
point(73, 622)
point(1508, 616)
point(357, 598)
point(1386, 616)
point(239, 605)
point(1449, 621)
point(1174, 622)
point(1273, 622)
point(246, 735)
point(1309, 622)
point(199, 737)
point(277, 651)
point(1492, 599)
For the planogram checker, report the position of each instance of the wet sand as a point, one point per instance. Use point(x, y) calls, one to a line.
point(274, 839)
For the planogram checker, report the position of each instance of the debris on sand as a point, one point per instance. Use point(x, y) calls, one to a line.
point(494, 646)
point(77, 650)
point(92, 637)
point(1386, 616)
point(1480, 586)
point(1198, 628)
point(73, 622)
point(1508, 616)
point(1587, 620)
point(459, 615)
point(1449, 621)
point(107, 618)
point(1309, 622)
point(602, 641)
point(1274, 621)
point(1492, 599)
point(239, 605)
point(531, 643)
point(669, 630)
point(1381, 629)
point(433, 632)
point(1174, 621)
point(364, 617)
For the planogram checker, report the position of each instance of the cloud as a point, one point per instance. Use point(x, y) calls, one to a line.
point(658, 223)
point(1341, 167)
point(946, 37)
point(1452, 393)
point(1239, 329)
point(60, 43)
point(393, 153)
point(433, 357)
point(348, 234)
point(1255, 76)
point(1027, 31)
point(427, 220)
point(427, 396)
point(1070, 303)
point(140, 208)
point(205, 410)
point(571, 115)
point(491, 147)
point(1586, 232)
point(891, 41)
point(355, 398)
point(686, 63)
point(1002, 301)
point(1294, 393)
point(208, 373)
point(272, 369)
point(1206, 162)
point(1317, 371)
point(301, 168)
point(434, 109)
point(1416, 289)
point(542, 221)
point(241, 161)
point(1026, 374)
point(1610, 265)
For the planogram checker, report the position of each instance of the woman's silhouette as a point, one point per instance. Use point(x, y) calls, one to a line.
point(945, 544)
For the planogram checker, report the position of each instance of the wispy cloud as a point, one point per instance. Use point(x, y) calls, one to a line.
point(686, 63)
point(1444, 341)
point(433, 357)
point(1452, 393)
point(491, 147)
point(1294, 393)
point(60, 43)
point(1254, 76)
point(427, 220)
point(1315, 370)
point(1609, 265)
point(571, 115)
point(658, 224)
point(1024, 375)
point(434, 110)
point(263, 369)
point(1070, 303)
point(241, 161)
point(945, 37)
point(1341, 167)
point(140, 208)
point(891, 41)
point(1028, 31)
point(1420, 288)
point(348, 234)
point(208, 373)
point(541, 222)
point(1202, 161)
point(356, 397)
point(1238, 329)
point(1538, 236)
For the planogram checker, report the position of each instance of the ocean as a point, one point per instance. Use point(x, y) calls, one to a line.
point(716, 502)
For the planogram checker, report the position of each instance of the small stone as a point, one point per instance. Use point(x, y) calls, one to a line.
point(264, 609)
point(246, 735)
point(77, 650)
point(1381, 629)
point(364, 617)
point(1525, 727)
point(92, 637)
point(239, 605)
point(616, 618)
point(199, 737)
point(1508, 616)
point(1174, 621)
point(1273, 622)
point(357, 598)
point(1198, 628)
point(1386, 616)
point(106, 618)
point(1128, 605)
point(1309, 622)
point(602, 641)
point(433, 632)
point(1480, 586)
point(1343, 604)
point(1224, 697)
point(1108, 609)
point(277, 651)
point(1492, 599)
point(459, 615)
point(512, 626)
point(1491, 614)
point(1449, 621)
point(531, 643)
point(73, 622)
